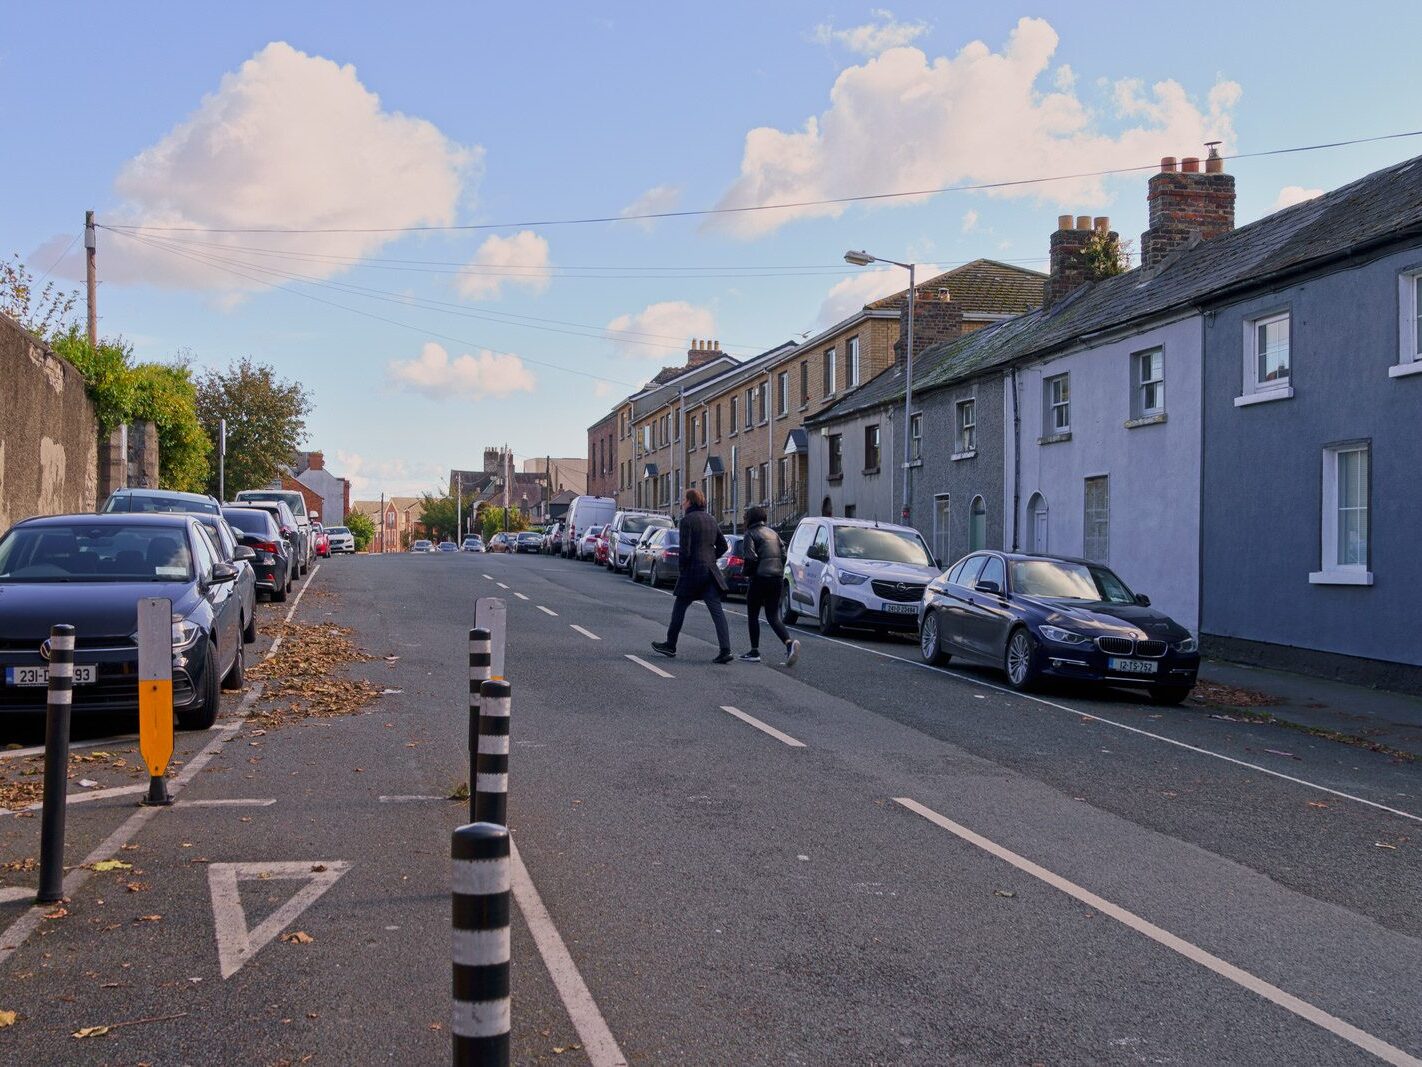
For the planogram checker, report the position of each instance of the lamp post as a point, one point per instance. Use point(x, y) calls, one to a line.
point(863, 259)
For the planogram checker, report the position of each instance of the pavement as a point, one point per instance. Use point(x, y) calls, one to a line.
point(860, 860)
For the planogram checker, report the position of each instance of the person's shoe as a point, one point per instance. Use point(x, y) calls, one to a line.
point(792, 653)
point(665, 649)
point(753, 656)
point(724, 657)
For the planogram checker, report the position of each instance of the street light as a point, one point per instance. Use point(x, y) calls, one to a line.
point(863, 259)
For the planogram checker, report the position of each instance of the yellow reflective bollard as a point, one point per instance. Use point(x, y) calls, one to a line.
point(155, 693)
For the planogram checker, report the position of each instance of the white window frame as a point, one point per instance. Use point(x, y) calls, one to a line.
point(1050, 404)
point(916, 437)
point(852, 355)
point(1141, 384)
point(1409, 329)
point(831, 372)
point(1333, 572)
point(1255, 391)
point(965, 434)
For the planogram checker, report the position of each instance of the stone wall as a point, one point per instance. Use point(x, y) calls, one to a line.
point(48, 432)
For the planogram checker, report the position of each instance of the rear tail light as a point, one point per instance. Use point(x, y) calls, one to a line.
point(668, 553)
point(265, 546)
point(735, 561)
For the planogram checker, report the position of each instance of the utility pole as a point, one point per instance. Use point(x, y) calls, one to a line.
point(382, 524)
point(508, 476)
point(459, 507)
point(91, 276)
point(221, 459)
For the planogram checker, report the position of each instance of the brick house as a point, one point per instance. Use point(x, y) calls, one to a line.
point(602, 456)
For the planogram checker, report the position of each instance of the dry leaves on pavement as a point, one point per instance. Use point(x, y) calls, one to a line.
point(301, 677)
point(297, 937)
point(1219, 695)
point(22, 779)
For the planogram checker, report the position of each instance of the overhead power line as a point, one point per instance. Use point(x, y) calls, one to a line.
point(825, 202)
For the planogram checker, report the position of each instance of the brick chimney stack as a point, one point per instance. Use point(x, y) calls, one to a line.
point(315, 461)
point(935, 318)
point(702, 352)
point(1187, 204)
point(1069, 268)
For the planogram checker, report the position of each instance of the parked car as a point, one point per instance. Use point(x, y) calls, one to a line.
point(323, 542)
point(340, 539)
point(658, 557)
point(1052, 616)
point(733, 567)
point(422, 546)
point(552, 540)
point(230, 550)
point(584, 511)
point(286, 526)
point(626, 529)
point(91, 571)
point(446, 546)
point(602, 547)
point(501, 542)
point(854, 572)
point(272, 560)
point(587, 541)
point(473, 543)
point(305, 542)
point(148, 500)
point(530, 541)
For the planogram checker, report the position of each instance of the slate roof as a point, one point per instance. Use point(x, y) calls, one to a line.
point(1381, 207)
point(983, 286)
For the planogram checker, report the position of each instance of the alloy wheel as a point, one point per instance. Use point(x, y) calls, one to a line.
point(928, 637)
point(1019, 658)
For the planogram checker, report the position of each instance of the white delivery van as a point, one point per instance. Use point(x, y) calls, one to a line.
point(583, 512)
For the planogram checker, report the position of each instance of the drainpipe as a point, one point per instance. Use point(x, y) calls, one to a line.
point(1016, 459)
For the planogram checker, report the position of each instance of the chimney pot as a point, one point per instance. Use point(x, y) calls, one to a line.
point(1083, 222)
point(1190, 165)
point(1102, 223)
point(1213, 163)
point(1063, 222)
point(1167, 164)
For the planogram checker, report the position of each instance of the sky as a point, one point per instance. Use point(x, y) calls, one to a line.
point(440, 298)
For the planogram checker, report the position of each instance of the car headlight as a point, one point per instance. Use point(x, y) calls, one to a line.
point(185, 633)
point(1064, 637)
point(850, 578)
point(1186, 646)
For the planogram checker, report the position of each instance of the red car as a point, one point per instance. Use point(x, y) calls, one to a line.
point(602, 548)
point(323, 540)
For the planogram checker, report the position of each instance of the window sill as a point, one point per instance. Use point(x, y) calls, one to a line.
point(1264, 396)
point(914, 463)
point(805, 406)
point(956, 456)
point(834, 479)
point(1055, 438)
point(1402, 370)
point(1341, 577)
point(1145, 420)
point(870, 470)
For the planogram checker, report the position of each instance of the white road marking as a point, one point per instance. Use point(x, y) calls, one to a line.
point(405, 799)
point(520, 596)
point(489, 576)
point(81, 797)
point(1302, 1008)
point(38, 750)
point(586, 633)
point(235, 943)
point(763, 727)
point(231, 802)
point(15, 892)
point(650, 666)
point(501, 585)
point(300, 593)
point(599, 1045)
point(547, 611)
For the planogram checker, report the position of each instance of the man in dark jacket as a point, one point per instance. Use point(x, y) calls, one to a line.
point(764, 556)
point(701, 544)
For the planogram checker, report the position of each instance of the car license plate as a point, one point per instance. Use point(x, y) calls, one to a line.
point(901, 609)
point(84, 674)
point(1132, 666)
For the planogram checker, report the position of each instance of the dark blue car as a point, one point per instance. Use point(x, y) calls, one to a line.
point(1036, 617)
point(90, 571)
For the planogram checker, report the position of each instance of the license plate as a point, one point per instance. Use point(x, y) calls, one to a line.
point(1132, 666)
point(901, 609)
point(84, 674)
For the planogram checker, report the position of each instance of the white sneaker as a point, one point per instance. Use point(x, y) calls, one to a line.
point(792, 654)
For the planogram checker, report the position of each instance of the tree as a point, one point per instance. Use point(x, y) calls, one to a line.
point(438, 516)
point(266, 421)
point(493, 521)
point(46, 311)
point(166, 396)
point(1106, 255)
point(108, 376)
point(361, 528)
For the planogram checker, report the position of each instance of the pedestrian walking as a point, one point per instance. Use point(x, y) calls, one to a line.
point(764, 556)
point(700, 544)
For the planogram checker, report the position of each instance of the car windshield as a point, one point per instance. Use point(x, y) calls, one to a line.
point(526, 537)
point(1057, 580)
point(154, 503)
point(635, 524)
point(422, 544)
point(874, 543)
point(95, 553)
point(338, 530)
point(291, 500)
point(248, 520)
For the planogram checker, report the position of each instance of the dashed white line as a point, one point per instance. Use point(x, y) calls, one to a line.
point(501, 585)
point(547, 611)
point(520, 596)
point(650, 666)
point(763, 727)
point(586, 633)
point(489, 576)
point(1302, 1008)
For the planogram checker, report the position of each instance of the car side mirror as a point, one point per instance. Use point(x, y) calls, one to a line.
point(988, 588)
point(243, 552)
point(1143, 600)
point(222, 573)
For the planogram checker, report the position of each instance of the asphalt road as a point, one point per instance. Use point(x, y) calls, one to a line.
point(868, 861)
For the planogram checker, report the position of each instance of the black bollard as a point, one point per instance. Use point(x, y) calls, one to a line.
point(480, 666)
point(56, 764)
point(491, 767)
point(480, 920)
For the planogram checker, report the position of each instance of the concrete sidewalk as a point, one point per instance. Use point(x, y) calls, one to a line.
point(1375, 715)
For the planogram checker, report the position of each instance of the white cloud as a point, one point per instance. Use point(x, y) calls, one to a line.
point(661, 330)
point(902, 121)
point(433, 374)
point(602, 388)
point(393, 477)
point(657, 199)
point(1290, 195)
point(970, 221)
point(520, 260)
point(288, 140)
point(874, 37)
point(854, 291)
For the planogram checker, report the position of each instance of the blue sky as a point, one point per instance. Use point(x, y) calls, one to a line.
point(470, 115)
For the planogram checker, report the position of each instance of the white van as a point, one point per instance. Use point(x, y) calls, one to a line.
point(583, 512)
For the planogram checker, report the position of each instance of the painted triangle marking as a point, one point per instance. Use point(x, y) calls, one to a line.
point(235, 943)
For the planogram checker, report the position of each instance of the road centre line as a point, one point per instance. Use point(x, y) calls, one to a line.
point(501, 585)
point(599, 1045)
point(1302, 1008)
point(586, 633)
point(763, 727)
point(650, 666)
point(547, 611)
point(489, 576)
point(520, 596)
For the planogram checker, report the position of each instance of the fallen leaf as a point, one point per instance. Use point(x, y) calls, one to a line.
point(1003, 893)
point(436, 1026)
point(91, 1031)
point(318, 867)
point(1317, 804)
point(136, 887)
point(461, 792)
point(113, 865)
point(148, 919)
point(58, 913)
point(298, 937)
point(7, 1018)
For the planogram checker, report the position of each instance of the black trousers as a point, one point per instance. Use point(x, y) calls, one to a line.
point(711, 595)
point(764, 593)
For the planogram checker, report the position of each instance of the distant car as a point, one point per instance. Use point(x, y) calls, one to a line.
point(305, 540)
point(500, 543)
point(272, 560)
point(733, 567)
point(133, 501)
point(323, 540)
point(530, 541)
point(341, 539)
point(658, 557)
point(91, 571)
point(421, 546)
point(473, 544)
point(587, 542)
point(553, 539)
point(602, 547)
point(447, 546)
point(625, 529)
point(1035, 617)
point(230, 549)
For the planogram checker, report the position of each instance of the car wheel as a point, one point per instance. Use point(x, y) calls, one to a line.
point(249, 632)
point(788, 615)
point(633, 571)
point(237, 674)
point(278, 594)
point(1170, 695)
point(930, 641)
point(652, 579)
point(827, 626)
point(1020, 660)
point(204, 713)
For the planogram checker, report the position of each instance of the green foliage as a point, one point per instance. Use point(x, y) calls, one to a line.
point(1106, 255)
point(438, 516)
point(166, 396)
point(361, 528)
point(108, 375)
point(266, 421)
point(46, 311)
point(493, 521)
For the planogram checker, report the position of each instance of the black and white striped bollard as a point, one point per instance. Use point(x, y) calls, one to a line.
point(56, 764)
point(481, 658)
point(491, 766)
point(480, 919)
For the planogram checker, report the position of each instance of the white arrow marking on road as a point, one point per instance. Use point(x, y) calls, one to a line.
point(235, 943)
point(753, 721)
point(547, 611)
point(650, 666)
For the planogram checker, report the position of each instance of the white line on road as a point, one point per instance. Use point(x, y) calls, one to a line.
point(598, 1043)
point(38, 750)
point(405, 799)
point(15, 892)
point(501, 585)
point(236, 944)
point(230, 802)
point(489, 576)
point(586, 633)
point(520, 596)
point(650, 666)
point(1302, 1008)
point(79, 798)
point(547, 611)
point(764, 728)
